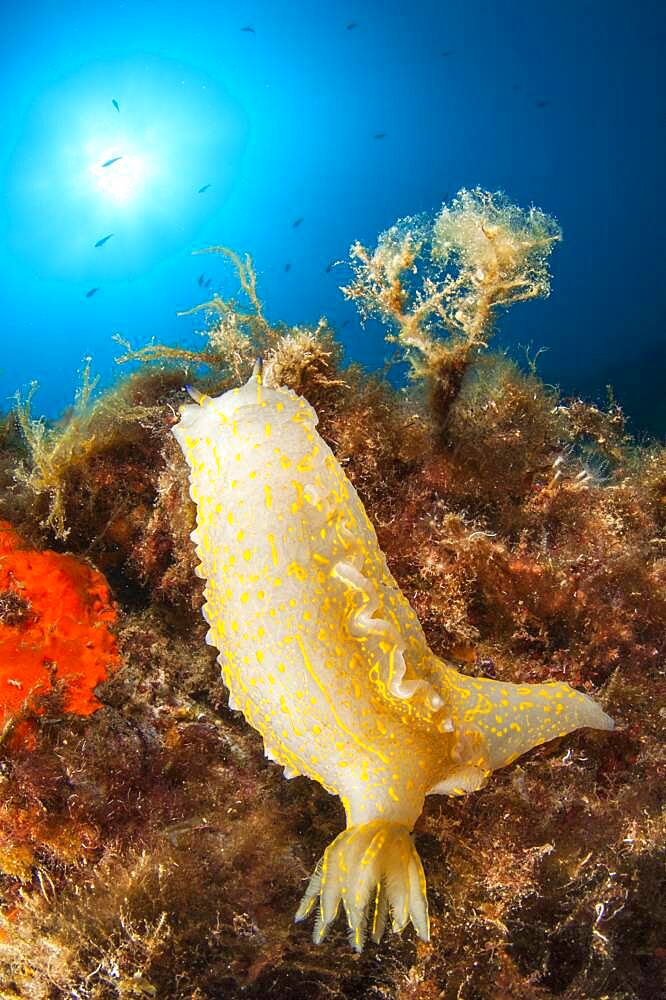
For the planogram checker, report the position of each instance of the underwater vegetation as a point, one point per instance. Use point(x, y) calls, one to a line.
point(499, 255)
point(148, 848)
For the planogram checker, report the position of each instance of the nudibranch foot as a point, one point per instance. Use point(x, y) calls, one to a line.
point(372, 868)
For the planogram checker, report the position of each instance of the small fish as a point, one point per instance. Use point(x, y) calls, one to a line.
point(379, 135)
point(114, 160)
point(344, 324)
point(200, 280)
point(352, 25)
point(207, 283)
point(446, 52)
point(296, 223)
point(329, 267)
point(204, 188)
point(287, 267)
point(249, 28)
point(100, 243)
point(542, 104)
point(91, 292)
point(115, 104)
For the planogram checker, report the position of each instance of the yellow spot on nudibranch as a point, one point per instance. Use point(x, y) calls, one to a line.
point(295, 569)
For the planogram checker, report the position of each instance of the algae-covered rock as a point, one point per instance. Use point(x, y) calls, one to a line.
point(149, 849)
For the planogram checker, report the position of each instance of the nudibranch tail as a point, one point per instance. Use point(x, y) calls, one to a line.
point(372, 868)
point(497, 722)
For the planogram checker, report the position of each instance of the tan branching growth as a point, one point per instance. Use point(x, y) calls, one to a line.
point(236, 336)
point(52, 448)
point(501, 252)
point(450, 276)
point(233, 333)
point(160, 352)
point(248, 280)
point(300, 358)
point(57, 475)
point(306, 360)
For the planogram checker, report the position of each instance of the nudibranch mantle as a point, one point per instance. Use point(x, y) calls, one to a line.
point(324, 656)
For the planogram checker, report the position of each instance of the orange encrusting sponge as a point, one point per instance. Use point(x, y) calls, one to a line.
point(55, 613)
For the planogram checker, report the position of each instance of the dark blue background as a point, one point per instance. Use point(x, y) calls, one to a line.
point(281, 124)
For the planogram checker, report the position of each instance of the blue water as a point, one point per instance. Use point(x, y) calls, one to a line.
point(560, 105)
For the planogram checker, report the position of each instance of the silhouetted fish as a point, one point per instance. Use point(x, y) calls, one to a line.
point(204, 188)
point(90, 293)
point(200, 280)
point(296, 223)
point(446, 52)
point(329, 267)
point(248, 27)
point(542, 104)
point(207, 283)
point(287, 267)
point(352, 25)
point(115, 104)
point(100, 243)
point(379, 135)
point(114, 160)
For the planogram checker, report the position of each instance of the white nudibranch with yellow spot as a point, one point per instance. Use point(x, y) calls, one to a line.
point(326, 659)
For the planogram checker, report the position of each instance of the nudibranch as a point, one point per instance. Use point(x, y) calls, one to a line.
point(324, 656)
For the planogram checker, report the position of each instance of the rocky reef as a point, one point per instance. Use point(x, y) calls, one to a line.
point(147, 847)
